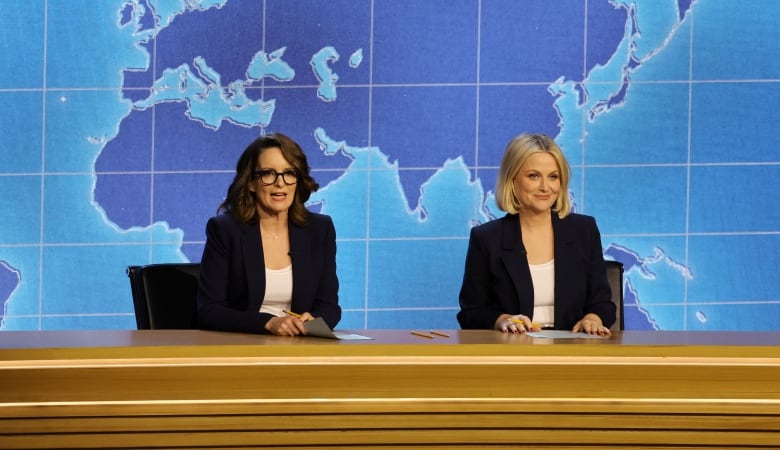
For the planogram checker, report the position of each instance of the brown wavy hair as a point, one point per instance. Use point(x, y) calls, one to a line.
point(241, 202)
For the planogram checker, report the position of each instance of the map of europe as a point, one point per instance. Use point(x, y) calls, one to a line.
point(124, 120)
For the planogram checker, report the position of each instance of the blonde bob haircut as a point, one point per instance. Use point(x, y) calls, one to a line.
point(517, 152)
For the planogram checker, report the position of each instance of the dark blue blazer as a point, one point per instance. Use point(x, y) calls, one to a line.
point(232, 274)
point(497, 278)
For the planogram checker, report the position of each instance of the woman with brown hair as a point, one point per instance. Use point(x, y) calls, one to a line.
point(269, 264)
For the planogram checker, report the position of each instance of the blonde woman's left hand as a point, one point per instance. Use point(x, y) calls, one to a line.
point(591, 324)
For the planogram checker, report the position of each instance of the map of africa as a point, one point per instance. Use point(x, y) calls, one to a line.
point(123, 121)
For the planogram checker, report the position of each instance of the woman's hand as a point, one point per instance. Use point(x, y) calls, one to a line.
point(515, 324)
point(287, 325)
point(591, 324)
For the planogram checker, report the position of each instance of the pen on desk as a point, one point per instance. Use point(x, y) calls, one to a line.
point(439, 333)
point(417, 333)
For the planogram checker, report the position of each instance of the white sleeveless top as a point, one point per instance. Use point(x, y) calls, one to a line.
point(278, 291)
point(543, 278)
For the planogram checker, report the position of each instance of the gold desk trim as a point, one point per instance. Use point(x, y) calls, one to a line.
point(194, 389)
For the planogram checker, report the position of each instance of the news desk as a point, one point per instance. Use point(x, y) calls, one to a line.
point(473, 389)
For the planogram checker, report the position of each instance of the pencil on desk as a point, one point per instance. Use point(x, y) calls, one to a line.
point(425, 335)
point(439, 333)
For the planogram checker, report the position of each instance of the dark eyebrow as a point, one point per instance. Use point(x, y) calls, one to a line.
point(267, 169)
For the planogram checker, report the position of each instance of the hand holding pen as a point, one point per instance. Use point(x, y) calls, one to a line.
point(302, 317)
point(291, 324)
point(518, 323)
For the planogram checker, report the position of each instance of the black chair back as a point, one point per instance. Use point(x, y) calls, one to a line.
point(165, 295)
point(615, 278)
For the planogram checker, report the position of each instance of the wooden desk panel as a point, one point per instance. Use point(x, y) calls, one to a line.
point(188, 389)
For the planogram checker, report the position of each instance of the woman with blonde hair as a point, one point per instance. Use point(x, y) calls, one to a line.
point(539, 266)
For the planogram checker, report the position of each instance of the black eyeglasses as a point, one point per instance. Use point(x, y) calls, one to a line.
point(269, 176)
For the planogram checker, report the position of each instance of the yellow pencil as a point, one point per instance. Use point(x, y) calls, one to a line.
point(290, 313)
point(439, 333)
point(417, 333)
point(533, 324)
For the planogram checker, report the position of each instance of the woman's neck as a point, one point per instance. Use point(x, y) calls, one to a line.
point(273, 225)
point(538, 240)
point(535, 219)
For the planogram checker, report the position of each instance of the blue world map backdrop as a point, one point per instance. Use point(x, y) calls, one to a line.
point(122, 122)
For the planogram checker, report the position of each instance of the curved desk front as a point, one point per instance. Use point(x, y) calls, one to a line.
point(473, 389)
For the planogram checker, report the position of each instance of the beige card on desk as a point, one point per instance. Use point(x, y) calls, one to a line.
point(318, 328)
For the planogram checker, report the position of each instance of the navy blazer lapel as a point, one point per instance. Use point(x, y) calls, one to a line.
point(566, 264)
point(515, 260)
point(299, 242)
point(254, 264)
point(564, 238)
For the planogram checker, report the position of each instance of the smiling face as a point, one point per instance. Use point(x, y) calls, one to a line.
point(276, 198)
point(537, 183)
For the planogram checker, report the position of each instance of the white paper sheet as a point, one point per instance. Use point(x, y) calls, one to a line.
point(318, 328)
point(562, 334)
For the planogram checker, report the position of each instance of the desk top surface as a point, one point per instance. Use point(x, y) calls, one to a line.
point(18, 345)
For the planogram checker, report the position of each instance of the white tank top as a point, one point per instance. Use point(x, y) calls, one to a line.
point(543, 278)
point(278, 291)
